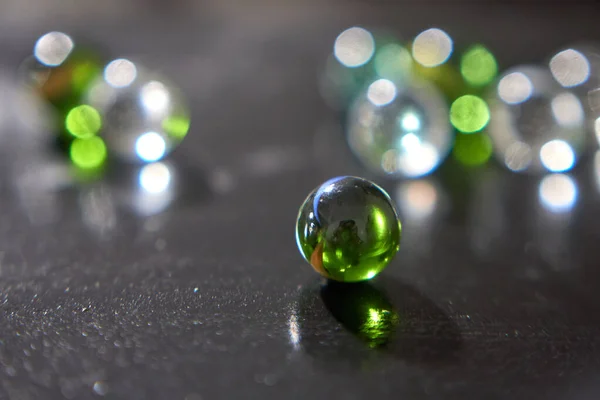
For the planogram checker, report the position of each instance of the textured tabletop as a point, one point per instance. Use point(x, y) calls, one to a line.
point(201, 293)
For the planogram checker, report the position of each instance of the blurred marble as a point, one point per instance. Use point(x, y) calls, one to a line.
point(400, 131)
point(577, 68)
point(144, 115)
point(60, 71)
point(360, 56)
point(536, 125)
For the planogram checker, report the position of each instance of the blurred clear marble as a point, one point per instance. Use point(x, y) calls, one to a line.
point(400, 131)
point(536, 125)
point(358, 57)
point(144, 116)
point(577, 68)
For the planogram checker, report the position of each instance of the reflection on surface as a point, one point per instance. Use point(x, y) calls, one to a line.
point(597, 169)
point(37, 186)
point(155, 177)
point(387, 316)
point(156, 189)
point(472, 149)
point(432, 47)
point(354, 47)
point(558, 193)
point(98, 208)
point(363, 310)
point(536, 126)
point(417, 200)
point(294, 328)
point(88, 153)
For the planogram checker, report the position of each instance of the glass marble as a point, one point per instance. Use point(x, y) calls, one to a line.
point(144, 116)
point(536, 125)
point(577, 68)
point(60, 71)
point(400, 131)
point(348, 229)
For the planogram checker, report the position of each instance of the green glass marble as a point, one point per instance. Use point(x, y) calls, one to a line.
point(348, 229)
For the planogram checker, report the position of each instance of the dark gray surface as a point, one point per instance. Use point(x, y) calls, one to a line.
point(210, 299)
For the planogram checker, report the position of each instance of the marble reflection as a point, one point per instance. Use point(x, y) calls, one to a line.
point(422, 204)
point(156, 188)
point(558, 193)
point(378, 319)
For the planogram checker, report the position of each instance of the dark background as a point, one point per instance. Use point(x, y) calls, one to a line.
point(209, 299)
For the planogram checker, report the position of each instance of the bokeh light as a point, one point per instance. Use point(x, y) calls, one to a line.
point(120, 73)
point(381, 92)
point(570, 68)
point(53, 48)
point(472, 150)
point(432, 47)
point(176, 126)
point(518, 156)
point(155, 177)
point(567, 110)
point(515, 88)
point(557, 156)
point(156, 188)
point(83, 121)
point(354, 47)
point(417, 199)
point(155, 97)
point(558, 193)
point(88, 153)
point(150, 147)
point(478, 66)
point(469, 114)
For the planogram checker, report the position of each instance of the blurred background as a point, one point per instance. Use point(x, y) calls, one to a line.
point(165, 265)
